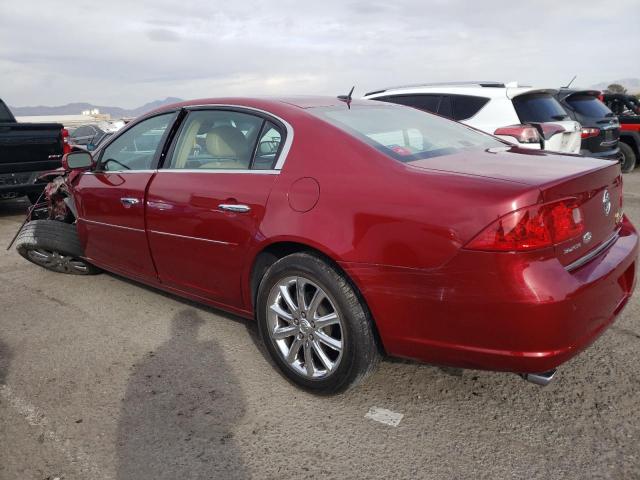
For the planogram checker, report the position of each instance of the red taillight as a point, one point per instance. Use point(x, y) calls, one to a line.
point(531, 228)
point(590, 132)
point(522, 133)
point(66, 148)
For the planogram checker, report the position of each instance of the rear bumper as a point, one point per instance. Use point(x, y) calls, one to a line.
point(499, 311)
point(611, 154)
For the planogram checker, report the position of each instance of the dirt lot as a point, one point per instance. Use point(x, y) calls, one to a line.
point(101, 378)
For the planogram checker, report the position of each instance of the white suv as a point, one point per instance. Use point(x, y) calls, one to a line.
point(528, 117)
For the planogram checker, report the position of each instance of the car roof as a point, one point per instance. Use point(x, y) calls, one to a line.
point(265, 103)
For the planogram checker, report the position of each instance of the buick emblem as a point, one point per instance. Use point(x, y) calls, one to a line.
point(606, 202)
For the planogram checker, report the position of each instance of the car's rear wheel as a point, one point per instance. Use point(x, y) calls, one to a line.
point(55, 246)
point(313, 324)
point(627, 158)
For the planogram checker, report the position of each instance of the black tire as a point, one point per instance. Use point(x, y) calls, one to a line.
point(360, 353)
point(55, 246)
point(627, 158)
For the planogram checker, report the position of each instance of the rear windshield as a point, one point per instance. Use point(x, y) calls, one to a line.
point(5, 114)
point(404, 133)
point(589, 106)
point(539, 107)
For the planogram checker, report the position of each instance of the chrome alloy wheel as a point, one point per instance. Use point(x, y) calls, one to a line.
point(56, 261)
point(305, 326)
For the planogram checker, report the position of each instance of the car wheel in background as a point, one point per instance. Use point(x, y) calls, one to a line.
point(627, 158)
point(314, 326)
point(55, 246)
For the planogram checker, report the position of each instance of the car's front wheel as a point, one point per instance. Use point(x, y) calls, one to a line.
point(55, 246)
point(313, 324)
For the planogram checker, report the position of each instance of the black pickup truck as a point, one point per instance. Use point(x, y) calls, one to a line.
point(26, 150)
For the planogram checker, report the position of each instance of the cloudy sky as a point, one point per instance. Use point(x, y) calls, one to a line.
point(128, 52)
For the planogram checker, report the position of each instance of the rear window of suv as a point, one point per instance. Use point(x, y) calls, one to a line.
point(539, 107)
point(405, 134)
point(589, 106)
point(5, 115)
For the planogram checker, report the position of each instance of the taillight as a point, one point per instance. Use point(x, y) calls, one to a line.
point(590, 132)
point(522, 133)
point(530, 228)
point(66, 148)
point(550, 129)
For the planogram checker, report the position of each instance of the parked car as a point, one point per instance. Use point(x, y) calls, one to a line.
point(91, 135)
point(26, 150)
point(348, 229)
point(627, 108)
point(600, 127)
point(526, 116)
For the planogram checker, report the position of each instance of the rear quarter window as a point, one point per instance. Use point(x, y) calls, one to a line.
point(427, 103)
point(466, 106)
point(539, 107)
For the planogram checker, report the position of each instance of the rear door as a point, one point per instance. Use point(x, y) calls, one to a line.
point(205, 205)
point(110, 200)
point(540, 107)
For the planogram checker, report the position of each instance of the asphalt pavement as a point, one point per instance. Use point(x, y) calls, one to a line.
point(102, 378)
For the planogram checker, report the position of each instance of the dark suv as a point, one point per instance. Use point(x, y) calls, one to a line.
point(600, 127)
point(627, 108)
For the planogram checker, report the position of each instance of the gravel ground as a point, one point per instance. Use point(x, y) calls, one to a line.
point(101, 378)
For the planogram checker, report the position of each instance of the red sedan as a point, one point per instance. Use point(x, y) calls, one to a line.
point(353, 229)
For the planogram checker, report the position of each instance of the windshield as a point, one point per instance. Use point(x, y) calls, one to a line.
point(539, 107)
point(404, 133)
point(589, 106)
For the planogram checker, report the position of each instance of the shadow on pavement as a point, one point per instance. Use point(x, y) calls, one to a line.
point(179, 411)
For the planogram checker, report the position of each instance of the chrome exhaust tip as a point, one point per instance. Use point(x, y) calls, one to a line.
point(542, 379)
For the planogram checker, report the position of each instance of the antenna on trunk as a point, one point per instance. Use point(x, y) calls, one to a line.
point(347, 98)
point(569, 84)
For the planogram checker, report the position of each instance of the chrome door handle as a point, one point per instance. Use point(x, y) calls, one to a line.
point(234, 207)
point(129, 202)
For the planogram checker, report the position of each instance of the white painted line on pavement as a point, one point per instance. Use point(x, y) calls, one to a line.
point(385, 416)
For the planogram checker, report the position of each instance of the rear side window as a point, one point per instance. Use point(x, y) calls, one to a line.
point(427, 103)
point(589, 106)
point(539, 107)
point(466, 106)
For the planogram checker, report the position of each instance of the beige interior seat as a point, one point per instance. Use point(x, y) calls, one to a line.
point(228, 146)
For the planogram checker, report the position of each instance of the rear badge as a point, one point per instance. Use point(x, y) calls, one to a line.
point(586, 238)
point(606, 202)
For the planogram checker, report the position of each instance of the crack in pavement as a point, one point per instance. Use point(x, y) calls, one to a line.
point(625, 331)
point(37, 419)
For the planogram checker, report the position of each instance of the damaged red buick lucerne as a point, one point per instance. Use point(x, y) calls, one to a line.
point(351, 230)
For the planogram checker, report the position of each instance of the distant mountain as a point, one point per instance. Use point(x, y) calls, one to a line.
point(631, 84)
point(77, 108)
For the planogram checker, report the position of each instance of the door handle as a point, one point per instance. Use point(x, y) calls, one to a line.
point(234, 207)
point(129, 202)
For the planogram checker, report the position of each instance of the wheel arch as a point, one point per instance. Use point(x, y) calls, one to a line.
point(274, 251)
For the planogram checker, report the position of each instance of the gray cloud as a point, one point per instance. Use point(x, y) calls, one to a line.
point(126, 53)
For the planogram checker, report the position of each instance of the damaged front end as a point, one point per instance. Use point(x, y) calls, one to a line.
point(55, 202)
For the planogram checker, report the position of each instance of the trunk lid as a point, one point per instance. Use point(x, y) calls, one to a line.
point(556, 177)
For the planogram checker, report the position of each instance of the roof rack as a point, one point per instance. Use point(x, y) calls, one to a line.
point(482, 83)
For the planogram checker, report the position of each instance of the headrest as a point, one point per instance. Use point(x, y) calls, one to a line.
point(225, 141)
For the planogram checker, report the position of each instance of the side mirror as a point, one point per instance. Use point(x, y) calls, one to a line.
point(77, 161)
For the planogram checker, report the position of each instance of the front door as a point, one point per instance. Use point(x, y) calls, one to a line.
point(110, 199)
point(204, 207)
